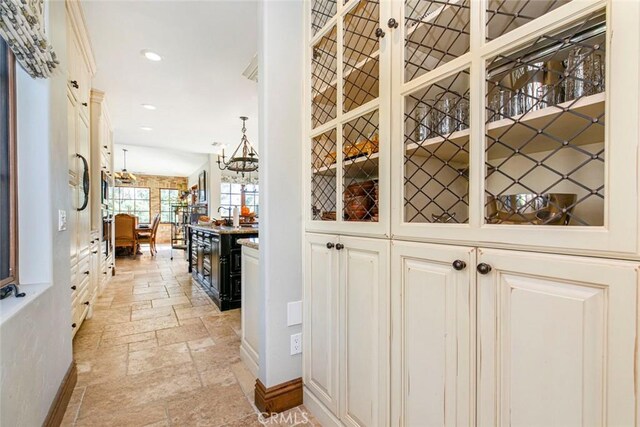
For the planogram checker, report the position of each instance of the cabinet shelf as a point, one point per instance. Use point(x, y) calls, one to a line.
point(362, 166)
point(513, 131)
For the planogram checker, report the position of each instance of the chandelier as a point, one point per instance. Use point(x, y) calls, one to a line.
point(246, 161)
point(125, 177)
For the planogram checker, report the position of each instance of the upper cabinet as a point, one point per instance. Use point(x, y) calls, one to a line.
point(493, 122)
point(348, 117)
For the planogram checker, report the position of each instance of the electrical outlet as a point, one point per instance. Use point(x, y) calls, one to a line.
point(296, 344)
point(62, 220)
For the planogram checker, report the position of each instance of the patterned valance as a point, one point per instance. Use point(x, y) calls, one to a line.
point(22, 26)
point(239, 179)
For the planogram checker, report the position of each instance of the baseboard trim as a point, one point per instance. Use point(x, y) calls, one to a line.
point(318, 410)
point(278, 398)
point(59, 404)
point(249, 361)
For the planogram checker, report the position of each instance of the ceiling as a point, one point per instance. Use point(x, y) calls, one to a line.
point(198, 88)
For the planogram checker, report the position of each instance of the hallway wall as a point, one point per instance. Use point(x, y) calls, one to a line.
point(35, 331)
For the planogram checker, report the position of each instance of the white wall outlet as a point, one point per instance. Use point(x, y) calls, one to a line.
point(62, 220)
point(296, 344)
point(294, 313)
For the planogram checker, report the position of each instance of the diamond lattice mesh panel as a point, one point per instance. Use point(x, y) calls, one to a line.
point(361, 55)
point(436, 162)
point(360, 168)
point(435, 33)
point(323, 180)
point(545, 130)
point(321, 12)
point(506, 15)
point(323, 79)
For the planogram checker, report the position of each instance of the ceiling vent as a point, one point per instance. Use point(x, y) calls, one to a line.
point(251, 72)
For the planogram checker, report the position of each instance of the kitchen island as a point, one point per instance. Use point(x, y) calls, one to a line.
point(215, 261)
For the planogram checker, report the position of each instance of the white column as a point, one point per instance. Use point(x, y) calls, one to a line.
point(214, 186)
point(280, 80)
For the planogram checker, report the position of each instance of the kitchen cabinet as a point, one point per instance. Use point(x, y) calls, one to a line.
point(500, 133)
point(250, 313)
point(215, 262)
point(433, 313)
point(513, 132)
point(346, 326)
point(80, 69)
point(552, 337)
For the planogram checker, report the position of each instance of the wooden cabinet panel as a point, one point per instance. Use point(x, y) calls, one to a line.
point(364, 308)
point(557, 340)
point(433, 305)
point(321, 319)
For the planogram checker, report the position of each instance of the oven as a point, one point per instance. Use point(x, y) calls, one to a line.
point(107, 232)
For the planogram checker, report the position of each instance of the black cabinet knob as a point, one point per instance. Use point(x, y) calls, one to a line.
point(330, 245)
point(86, 272)
point(94, 252)
point(483, 268)
point(73, 325)
point(392, 23)
point(339, 246)
point(85, 104)
point(73, 287)
point(459, 264)
point(105, 146)
point(86, 303)
point(379, 33)
point(74, 83)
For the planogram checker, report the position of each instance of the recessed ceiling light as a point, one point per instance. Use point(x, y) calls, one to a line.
point(151, 56)
point(147, 128)
point(148, 106)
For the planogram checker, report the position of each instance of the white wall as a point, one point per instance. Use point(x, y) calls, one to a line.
point(35, 332)
point(280, 52)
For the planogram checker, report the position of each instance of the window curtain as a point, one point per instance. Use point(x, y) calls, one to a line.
point(22, 26)
point(238, 179)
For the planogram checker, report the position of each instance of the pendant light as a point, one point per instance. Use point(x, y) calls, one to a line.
point(125, 177)
point(244, 162)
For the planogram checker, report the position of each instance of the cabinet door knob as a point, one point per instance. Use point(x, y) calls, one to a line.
point(86, 303)
point(84, 104)
point(73, 325)
point(74, 83)
point(379, 33)
point(86, 272)
point(94, 252)
point(330, 245)
point(73, 287)
point(459, 264)
point(483, 268)
point(392, 23)
point(339, 246)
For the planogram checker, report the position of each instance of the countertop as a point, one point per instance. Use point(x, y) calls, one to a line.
point(251, 242)
point(226, 230)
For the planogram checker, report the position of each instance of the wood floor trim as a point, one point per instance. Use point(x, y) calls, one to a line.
point(278, 398)
point(59, 404)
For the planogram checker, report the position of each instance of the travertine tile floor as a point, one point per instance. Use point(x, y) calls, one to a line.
point(158, 352)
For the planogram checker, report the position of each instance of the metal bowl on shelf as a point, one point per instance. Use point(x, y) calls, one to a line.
point(531, 208)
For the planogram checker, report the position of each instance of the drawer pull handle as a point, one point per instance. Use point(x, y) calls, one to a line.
point(459, 264)
point(483, 268)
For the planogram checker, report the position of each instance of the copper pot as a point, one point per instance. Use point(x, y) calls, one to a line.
point(357, 207)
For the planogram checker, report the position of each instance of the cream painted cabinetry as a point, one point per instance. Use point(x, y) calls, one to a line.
point(346, 326)
point(80, 68)
point(442, 127)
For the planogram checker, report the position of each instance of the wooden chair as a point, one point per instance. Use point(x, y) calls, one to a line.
point(150, 236)
point(126, 232)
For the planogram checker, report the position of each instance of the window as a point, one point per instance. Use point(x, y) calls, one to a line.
point(133, 201)
point(8, 187)
point(168, 198)
point(232, 195)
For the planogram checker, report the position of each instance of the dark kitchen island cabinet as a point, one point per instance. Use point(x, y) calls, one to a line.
point(215, 259)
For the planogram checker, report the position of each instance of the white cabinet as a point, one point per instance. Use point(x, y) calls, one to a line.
point(346, 326)
point(557, 336)
point(433, 315)
point(250, 342)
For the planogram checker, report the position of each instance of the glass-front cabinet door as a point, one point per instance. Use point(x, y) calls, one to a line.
point(516, 123)
point(348, 62)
